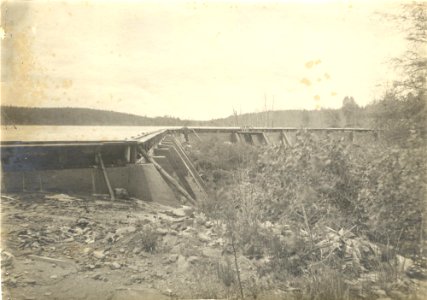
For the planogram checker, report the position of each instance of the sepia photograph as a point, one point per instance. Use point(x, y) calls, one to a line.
point(213, 149)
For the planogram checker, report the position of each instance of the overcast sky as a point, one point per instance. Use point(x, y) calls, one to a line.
point(196, 60)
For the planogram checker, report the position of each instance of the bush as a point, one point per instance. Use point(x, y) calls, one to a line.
point(323, 203)
point(148, 238)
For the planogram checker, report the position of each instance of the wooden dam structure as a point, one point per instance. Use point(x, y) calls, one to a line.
point(150, 165)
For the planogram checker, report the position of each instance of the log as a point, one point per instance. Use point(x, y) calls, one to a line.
point(166, 175)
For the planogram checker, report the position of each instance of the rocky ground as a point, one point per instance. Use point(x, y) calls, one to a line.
point(57, 246)
point(65, 247)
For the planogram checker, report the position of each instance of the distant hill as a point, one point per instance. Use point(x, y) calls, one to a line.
point(11, 115)
point(15, 115)
point(297, 118)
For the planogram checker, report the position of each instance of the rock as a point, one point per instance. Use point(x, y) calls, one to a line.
point(121, 193)
point(122, 250)
point(78, 231)
point(137, 250)
point(110, 237)
point(173, 257)
point(115, 266)
point(97, 276)
point(162, 231)
point(179, 212)
point(6, 259)
point(87, 250)
point(30, 281)
point(404, 264)
point(192, 259)
point(188, 223)
point(170, 259)
point(379, 293)
point(53, 277)
point(397, 295)
point(417, 273)
point(125, 230)
point(91, 267)
point(203, 237)
point(11, 282)
point(98, 254)
point(209, 224)
point(188, 210)
point(83, 222)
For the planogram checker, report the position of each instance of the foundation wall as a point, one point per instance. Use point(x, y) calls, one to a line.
point(142, 181)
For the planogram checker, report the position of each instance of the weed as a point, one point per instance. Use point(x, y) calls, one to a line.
point(148, 238)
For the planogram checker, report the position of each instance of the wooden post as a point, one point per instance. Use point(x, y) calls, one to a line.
point(285, 137)
point(166, 175)
point(107, 181)
point(23, 181)
point(93, 182)
point(351, 136)
point(40, 183)
point(265, 138)
point(197, 136)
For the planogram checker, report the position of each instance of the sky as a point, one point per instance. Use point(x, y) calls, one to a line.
point(199, 59)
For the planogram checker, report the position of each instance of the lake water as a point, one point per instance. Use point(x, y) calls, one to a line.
point(26, 133)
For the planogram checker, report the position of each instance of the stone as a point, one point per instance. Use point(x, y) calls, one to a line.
point(404, 263)
point(189, 211)
point(6, 259)
point(179, 212)
point(125, 230)
point(121, 193)
point(96, 276)
point(53, 277)
point(209, 224)
point(12, 281)
point(170, 259)
point(192, 259)
point(98, 254)
point(380, 293)
point(137, 250)
point(162, 231)
point(83, 222)
point(115, 266)
point(87, 250)
point(397, 295)
point(203, 237)
point(30, 281)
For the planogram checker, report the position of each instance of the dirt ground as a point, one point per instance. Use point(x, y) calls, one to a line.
point(56, 246)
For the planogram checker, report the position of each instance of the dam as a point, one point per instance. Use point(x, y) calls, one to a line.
point(148, 163)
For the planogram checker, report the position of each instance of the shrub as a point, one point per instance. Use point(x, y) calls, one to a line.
point(148, 237)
